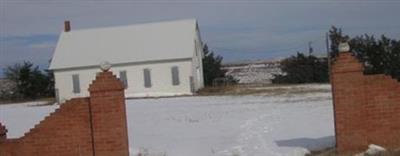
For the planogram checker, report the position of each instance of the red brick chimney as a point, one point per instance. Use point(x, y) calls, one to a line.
point(67, 26)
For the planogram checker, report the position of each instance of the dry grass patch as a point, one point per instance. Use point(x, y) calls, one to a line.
point(261, 90)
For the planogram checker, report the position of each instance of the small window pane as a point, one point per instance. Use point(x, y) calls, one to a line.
point(123, 78)
point(175, 75)
point(75, 83)
point(147, 78)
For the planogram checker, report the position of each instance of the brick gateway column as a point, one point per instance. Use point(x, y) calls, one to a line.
point(108, 116)
point(367, 107)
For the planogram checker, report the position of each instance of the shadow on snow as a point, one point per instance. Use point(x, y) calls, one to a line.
point(311, 144)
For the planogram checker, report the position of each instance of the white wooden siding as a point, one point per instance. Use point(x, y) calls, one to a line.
point(161, 81)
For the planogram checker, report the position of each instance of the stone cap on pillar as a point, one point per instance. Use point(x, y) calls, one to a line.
point(346, 62)
point(105, 81)
point(344, 47)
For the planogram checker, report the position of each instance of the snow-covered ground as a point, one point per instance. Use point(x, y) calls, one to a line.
point(253, 125)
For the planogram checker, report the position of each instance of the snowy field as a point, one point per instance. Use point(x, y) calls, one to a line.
point(287, 124)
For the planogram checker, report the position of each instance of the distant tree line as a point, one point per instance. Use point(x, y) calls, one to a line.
point(29, 82)
point(303, 68)
point(379, 56)
point(212, 70)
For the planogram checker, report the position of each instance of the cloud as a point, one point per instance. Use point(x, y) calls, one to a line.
point(36, 49)
point(27, 40)
point(44, 45)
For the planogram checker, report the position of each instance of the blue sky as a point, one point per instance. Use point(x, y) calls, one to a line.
point(236, 29)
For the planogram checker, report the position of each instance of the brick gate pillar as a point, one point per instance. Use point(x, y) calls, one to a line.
point(108, 116)
point(349, 103)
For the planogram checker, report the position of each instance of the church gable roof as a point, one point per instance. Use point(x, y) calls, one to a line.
point(125, 44)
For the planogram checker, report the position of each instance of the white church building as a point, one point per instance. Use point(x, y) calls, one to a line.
point(152, 60)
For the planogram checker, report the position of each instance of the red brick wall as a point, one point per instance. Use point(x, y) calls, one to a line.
point(95, 125)
point(367, 107)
